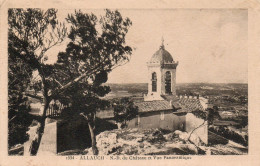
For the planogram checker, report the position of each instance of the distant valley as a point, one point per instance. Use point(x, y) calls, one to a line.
point(203, 89)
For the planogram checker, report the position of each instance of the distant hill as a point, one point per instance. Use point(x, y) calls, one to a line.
point(126, 90)
point(138, 89)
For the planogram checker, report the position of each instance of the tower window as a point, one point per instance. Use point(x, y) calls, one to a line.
point(154, 82)
point(168, 81)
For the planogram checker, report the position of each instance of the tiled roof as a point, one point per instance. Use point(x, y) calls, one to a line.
point(181, 104)
point(148, 106)
point(190, 104)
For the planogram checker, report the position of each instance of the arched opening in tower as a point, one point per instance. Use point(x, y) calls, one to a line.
point(168, 82)
point(154, 82)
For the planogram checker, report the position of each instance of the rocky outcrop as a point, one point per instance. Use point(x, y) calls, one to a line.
point(144, 142)
point(193, 138)
point(154, 142)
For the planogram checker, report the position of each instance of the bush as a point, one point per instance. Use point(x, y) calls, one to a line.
point(18, 127)
point(124, 110)
point(231, 135)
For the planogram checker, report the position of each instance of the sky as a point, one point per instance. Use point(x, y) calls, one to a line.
point(210, 44)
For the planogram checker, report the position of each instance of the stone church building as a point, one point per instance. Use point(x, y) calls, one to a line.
point(161, 107)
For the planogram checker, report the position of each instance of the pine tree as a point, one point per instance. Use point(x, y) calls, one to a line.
point(76, 78)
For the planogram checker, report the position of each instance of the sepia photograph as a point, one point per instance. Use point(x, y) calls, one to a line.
point(127, 82)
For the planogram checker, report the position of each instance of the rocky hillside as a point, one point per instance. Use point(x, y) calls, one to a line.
point(146, 142)
point(154, 142)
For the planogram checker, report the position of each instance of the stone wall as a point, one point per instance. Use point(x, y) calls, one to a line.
point(172, 122)
point(161, 119)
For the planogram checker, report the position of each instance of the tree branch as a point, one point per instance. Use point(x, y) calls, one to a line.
point(199, 149)
point(196, 129)
point(57, 82)
point(85, 75)
point(86, 117)
point(12, 118)
point(33, 96)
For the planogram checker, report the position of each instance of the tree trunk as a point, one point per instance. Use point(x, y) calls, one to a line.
point(35, 144)
point(92, 127)
point(41, 125)
point(93, 139)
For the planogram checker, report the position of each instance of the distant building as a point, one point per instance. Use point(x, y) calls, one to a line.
point(161, 107)
point(227, 114)
point(225, 123)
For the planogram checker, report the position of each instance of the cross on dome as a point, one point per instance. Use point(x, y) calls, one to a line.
point(162, 46)
point(162, 40)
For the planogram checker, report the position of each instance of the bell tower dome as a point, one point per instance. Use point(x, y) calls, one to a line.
point(161, 75)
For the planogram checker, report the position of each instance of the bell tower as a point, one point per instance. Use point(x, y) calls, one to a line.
point(161, 75)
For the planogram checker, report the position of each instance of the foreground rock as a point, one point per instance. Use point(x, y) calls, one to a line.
point(228, 149)
point(145, 142)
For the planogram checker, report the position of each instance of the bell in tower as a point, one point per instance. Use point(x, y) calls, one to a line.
point(161, 74)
